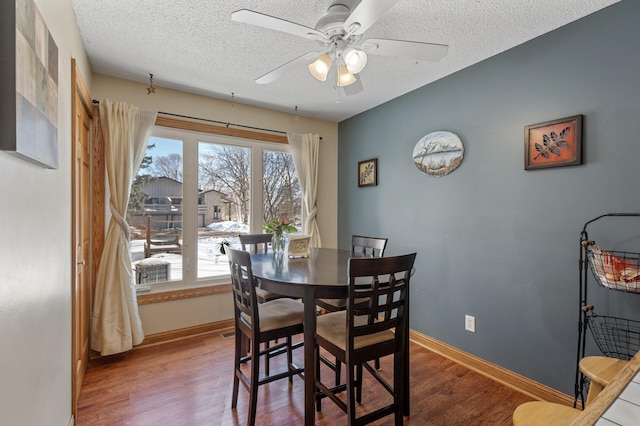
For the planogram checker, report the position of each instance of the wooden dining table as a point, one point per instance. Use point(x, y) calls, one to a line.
point(322, 275)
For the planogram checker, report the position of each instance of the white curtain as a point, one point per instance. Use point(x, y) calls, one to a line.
point(116, 325)
point(305, 149)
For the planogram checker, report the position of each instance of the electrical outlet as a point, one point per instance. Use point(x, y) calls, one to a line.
point(470, 323)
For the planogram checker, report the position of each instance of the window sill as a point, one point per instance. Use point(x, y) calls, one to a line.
point(166, 295)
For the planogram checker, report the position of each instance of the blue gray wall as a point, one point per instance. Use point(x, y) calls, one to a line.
point(493, 240)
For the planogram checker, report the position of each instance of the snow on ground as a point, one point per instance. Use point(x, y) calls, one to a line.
point(210, 262)
point(228, 226)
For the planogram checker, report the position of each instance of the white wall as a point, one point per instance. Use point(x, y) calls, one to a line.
point(35, 259)
point(166, 316)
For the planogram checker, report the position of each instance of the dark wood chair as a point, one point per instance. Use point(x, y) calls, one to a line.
point(363, 246)
point(366, 331)
point(255, 243)
point(257, 323)
point(368, 246)
point(258, 243)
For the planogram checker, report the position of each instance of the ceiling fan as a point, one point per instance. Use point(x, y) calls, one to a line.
point(339, 33)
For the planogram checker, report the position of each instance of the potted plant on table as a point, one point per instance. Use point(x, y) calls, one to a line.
point(278, 228)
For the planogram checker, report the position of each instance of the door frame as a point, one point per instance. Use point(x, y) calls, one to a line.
point(97, 203)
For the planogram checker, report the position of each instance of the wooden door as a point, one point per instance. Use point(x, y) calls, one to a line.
point(82, 218)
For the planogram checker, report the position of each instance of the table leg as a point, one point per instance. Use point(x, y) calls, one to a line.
point(309, 355)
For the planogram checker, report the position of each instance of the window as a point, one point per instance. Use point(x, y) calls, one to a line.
point(281, 189)
point(223, 177)
point(229, 186)
point(154, 213)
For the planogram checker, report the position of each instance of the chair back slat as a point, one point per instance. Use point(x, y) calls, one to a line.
point(387, 290)
point(243, 283)
point(255, 243)
point(368, 246)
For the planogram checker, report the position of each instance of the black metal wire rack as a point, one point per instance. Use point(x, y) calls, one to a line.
point(617, 270)
point(615, 337)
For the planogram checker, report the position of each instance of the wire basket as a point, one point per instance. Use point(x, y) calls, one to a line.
point(617, 270)
point(615, 337)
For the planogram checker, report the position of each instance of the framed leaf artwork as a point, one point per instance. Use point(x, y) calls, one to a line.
point(368, 172)
point(555, 143)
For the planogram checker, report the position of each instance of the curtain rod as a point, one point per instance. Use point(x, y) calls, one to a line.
point(227, 124)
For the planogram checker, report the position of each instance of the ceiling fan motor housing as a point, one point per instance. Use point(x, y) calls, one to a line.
point(332, 23)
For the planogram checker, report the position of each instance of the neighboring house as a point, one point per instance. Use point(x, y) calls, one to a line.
point(218, 206)
point(164, 203)
point(162, 191)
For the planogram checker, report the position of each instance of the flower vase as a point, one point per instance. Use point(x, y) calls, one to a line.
point(278, 243)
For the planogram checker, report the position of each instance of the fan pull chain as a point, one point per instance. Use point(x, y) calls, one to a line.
point(337, 86)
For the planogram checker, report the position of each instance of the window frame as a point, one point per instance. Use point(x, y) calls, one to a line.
point(190, 159)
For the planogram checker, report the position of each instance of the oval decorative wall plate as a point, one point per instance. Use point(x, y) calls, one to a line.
point(438, 153)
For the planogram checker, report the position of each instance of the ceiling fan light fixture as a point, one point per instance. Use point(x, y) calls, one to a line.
point(345, 78)
point(320, 67)
point(355, 60)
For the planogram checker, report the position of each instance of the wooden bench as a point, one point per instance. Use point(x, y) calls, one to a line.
point(162, 237)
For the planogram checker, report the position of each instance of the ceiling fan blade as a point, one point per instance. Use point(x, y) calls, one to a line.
point(366, 14)
point(272, 76)
point(407, 49)
point(265, 21)
point(354, 88)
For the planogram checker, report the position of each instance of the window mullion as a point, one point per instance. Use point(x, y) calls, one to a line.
point(190, 209)
point(256, 189)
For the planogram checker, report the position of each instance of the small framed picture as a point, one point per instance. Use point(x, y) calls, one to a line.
point(298, 246)
point(368, 172)
point(555, 143)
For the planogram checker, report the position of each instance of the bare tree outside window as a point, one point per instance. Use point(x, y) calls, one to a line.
point(281, 189)
point(226, 169)
point(169, 166)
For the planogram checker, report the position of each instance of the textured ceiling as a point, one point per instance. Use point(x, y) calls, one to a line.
point(194, 46)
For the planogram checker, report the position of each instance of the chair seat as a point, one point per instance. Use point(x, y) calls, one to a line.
point(332, 328)
point(601, 369)
point(340, 304)
point(265, 296)
point(541, 413)
point(278, 313)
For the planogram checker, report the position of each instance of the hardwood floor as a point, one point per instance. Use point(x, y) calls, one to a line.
point(189, 382)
